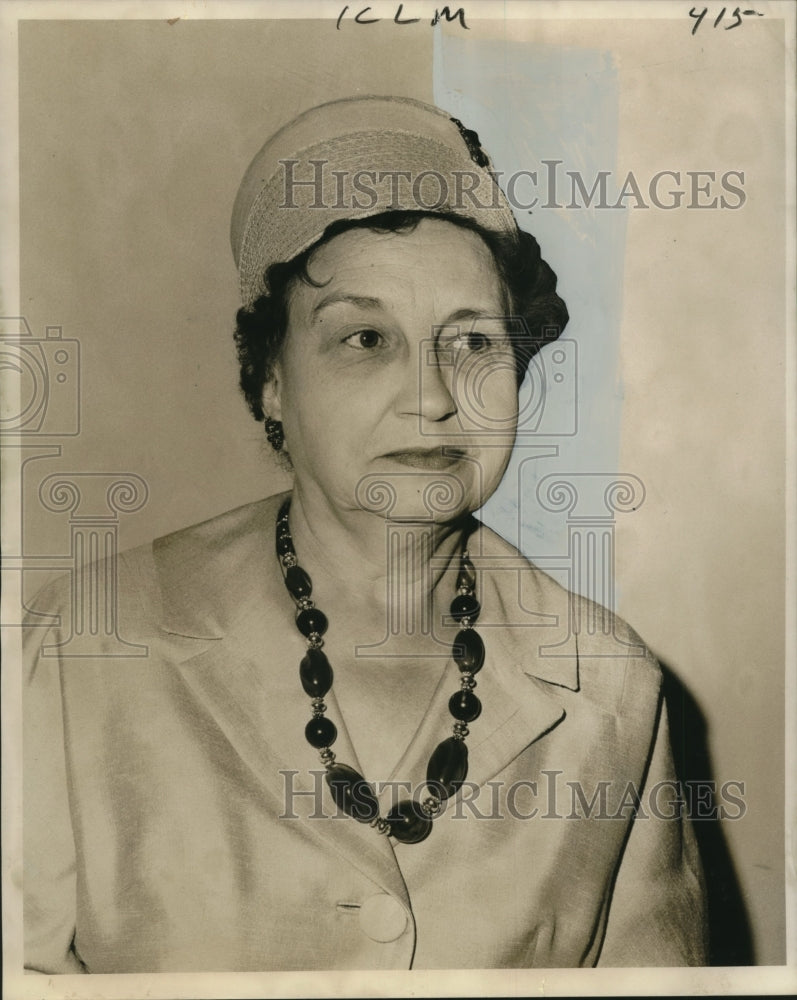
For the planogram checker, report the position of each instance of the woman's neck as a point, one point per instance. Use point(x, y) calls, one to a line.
point(381, 572)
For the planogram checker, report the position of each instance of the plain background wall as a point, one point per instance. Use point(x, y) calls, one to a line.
point(133, 138)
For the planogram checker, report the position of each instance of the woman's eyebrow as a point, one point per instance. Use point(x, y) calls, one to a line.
point(464, 314)
point(371, 302)
point(363, 301)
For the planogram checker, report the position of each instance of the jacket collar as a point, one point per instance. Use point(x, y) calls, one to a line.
point(217, 575)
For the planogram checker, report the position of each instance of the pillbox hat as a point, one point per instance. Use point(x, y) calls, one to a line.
point(352, 159)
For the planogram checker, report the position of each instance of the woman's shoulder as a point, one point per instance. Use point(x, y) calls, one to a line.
point(138, 588)
point(569, 639)
point(217, 533)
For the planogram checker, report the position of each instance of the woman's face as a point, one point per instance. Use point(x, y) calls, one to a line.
point(397, 373)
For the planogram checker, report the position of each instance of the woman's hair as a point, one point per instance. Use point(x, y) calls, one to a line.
point(529, 282)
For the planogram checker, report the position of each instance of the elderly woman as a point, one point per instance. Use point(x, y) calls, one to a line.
point(367, 733)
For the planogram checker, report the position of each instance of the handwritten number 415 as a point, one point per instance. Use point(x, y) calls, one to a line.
point(737, 15)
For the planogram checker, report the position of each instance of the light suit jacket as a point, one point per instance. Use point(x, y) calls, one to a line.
point(166, 829)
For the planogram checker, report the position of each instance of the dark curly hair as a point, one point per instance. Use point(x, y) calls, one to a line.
point(529, 282)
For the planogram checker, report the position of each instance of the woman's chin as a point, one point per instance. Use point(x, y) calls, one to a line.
point(405, 493)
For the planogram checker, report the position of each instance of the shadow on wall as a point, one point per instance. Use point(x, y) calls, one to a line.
point(730, 938)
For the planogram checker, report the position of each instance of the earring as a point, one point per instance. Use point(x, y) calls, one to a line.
point(274, 434)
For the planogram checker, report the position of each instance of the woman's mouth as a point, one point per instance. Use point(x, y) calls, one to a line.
point(427, 458)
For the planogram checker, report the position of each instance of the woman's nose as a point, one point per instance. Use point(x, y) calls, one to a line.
point(428, 384)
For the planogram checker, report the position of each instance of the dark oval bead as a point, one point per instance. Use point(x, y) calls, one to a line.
point(465, 706)
point(465, 606)
point(284, 545)
point(298, 582)
point(352, 793)
point(320, 732)
point(468, 651)
point(311, 620)
point(448, 767)
point(407, 822)
point(315, 673)
point(467, 574)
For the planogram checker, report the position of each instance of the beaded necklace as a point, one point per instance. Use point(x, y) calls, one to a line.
point(409, 821)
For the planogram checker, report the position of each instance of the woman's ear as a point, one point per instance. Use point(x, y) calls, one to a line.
point(272, 401)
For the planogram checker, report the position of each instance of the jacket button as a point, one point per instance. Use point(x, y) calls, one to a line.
point(383, 918)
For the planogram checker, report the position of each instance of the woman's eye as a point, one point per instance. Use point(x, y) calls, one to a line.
point(364, 339)
point(474, 341)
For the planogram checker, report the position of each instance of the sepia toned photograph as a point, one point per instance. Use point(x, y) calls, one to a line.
point(398, 499)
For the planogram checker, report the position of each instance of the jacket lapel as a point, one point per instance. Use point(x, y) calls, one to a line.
point(520, 688)
point(524, 612)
